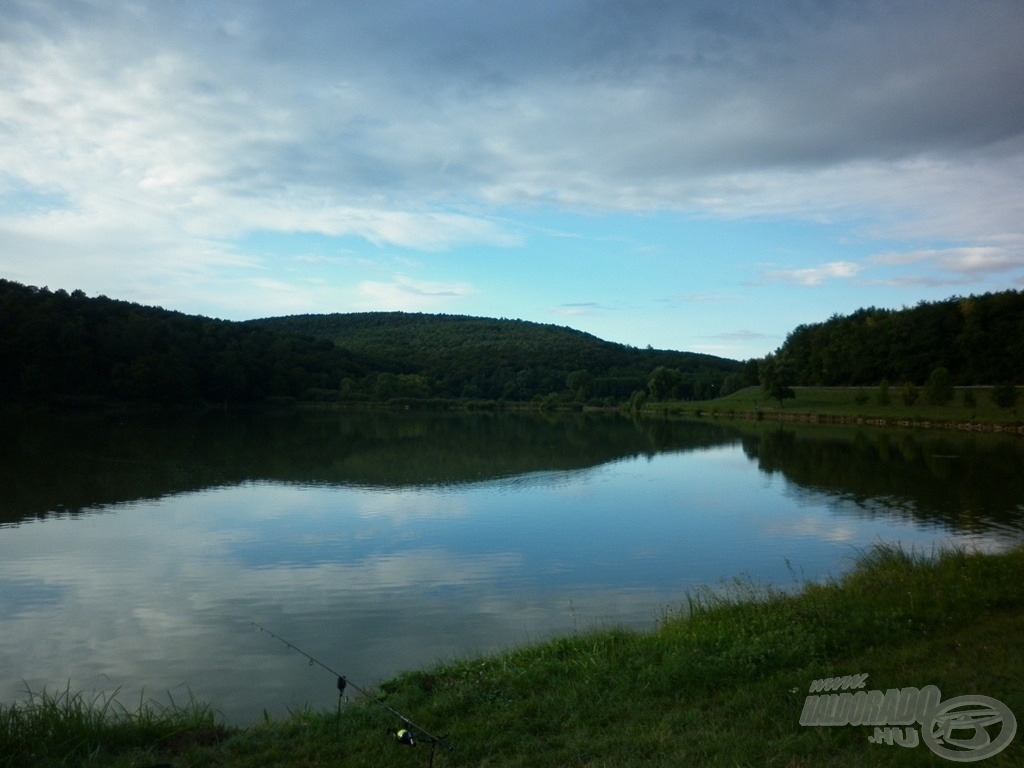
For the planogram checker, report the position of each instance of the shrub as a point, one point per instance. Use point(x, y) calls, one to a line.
point(1004, 395)
point(939, 387)
point(883, 392)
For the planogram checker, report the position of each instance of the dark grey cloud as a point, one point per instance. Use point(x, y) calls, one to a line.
point(620, 93)
point(614, 104)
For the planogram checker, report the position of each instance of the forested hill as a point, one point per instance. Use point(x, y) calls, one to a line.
point(72, 349)
point(476, 357)
point(979, 339)
point(69, 348)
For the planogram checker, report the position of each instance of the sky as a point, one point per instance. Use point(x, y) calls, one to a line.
point(702, 176)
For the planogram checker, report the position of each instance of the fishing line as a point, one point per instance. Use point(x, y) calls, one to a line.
point(403, 736)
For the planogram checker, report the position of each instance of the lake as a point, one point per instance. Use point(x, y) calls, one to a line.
point(138, 551)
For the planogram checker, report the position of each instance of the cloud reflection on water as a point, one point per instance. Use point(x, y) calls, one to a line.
point(372, 580)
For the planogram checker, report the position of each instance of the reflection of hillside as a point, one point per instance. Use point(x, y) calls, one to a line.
point(69, 463)
point(963, 481)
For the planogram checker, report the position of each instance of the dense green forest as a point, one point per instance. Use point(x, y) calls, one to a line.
point(977, 339)
point(483, 358)
point(70, 349)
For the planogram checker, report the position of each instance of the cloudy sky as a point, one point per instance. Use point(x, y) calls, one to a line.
point(689, 175)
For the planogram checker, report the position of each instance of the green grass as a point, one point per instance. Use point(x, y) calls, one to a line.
point(721, 681)
point(853, 403)
point(65, 728)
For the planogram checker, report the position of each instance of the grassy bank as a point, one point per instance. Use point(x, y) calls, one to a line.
point(69, 729)
point(859, 404)
point(721, 682)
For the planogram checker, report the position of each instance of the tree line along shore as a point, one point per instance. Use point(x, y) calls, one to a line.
point(65, 349)
point(975, 408)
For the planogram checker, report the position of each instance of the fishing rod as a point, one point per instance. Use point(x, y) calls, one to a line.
point(403, 736)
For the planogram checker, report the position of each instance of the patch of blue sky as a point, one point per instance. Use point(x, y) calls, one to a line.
point(18, 198)
point(666, 279)
point(731, 287)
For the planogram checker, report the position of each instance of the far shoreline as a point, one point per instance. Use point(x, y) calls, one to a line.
point(854, 406)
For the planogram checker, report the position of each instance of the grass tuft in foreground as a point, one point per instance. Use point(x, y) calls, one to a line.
point(720, 682)
point(65, 728)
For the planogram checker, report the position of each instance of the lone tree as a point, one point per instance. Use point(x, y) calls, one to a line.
point(665, 383)
point(776, 378)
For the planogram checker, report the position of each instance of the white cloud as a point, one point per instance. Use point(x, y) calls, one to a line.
point(741, 336)
point(696, 298)
point(407, 294)
point(967, 261)
point(961, 265)
point(153, 164)
point(816, 275)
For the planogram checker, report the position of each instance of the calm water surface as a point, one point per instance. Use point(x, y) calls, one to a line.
point(136, 552)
